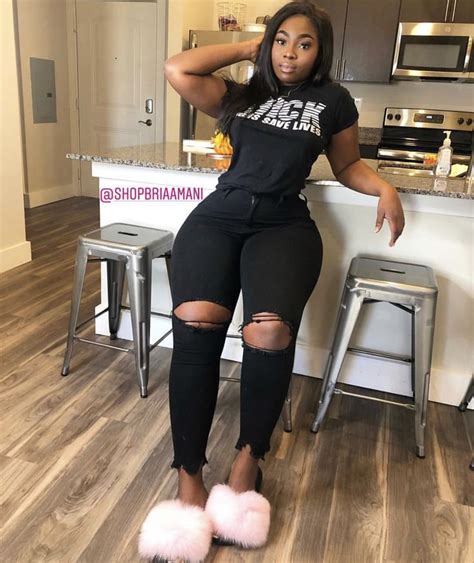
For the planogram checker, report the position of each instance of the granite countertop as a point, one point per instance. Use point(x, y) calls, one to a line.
point(169, 156)
point(321, 173)
point(370, 135)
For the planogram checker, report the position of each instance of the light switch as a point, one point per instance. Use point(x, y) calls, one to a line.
point(43, 90)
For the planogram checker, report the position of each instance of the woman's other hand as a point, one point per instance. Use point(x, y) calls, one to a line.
point(344, 157)
point(390, 208)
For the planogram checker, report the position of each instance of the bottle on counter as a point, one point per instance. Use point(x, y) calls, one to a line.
point(445, 157)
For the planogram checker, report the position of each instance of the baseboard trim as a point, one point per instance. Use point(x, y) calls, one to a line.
point(50, 195)
point(14, 256)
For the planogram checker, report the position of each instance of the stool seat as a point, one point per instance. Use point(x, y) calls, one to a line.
point(413, 289)
point(127, 249)
point(124, 240)
point(398, 278)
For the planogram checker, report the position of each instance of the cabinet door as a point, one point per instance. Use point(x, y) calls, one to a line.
point(425, 10)
point(463, 11)
point(337, 10)
point(369, 41)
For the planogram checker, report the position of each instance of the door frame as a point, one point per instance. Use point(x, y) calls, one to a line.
point(74, 102)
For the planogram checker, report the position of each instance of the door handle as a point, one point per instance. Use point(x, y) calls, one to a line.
point(148, 122)
point(343, 69)
point(446, 11)
point(454, 10)
point(336, 73)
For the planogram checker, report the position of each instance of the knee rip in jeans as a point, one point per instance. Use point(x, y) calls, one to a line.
point(203, 316)
point(274, 336)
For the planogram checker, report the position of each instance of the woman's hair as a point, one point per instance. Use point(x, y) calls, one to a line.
point(264, 83)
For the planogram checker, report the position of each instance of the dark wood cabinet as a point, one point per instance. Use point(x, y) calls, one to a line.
point(425, 10)
point(337, 10)
point(364, 38)
point(459, 11)
point(369, 41)
point(464, 11)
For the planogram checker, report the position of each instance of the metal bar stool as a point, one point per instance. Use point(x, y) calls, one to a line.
point(413, 289)
point(130, 249)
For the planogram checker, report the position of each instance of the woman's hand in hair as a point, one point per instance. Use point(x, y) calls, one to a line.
point(255, 46)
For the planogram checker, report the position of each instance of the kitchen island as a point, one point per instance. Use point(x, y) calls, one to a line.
point(159, 185)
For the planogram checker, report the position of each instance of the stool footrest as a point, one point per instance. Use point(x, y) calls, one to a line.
point(409, 406)
point(103, 345)
point(152, 313)
point(155, 344)
point(376, 353)
point(83, 323)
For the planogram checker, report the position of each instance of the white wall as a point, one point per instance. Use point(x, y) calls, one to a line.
point(14, 249)
point(43, 33)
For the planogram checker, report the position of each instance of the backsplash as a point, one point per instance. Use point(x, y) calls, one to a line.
point(423, 95)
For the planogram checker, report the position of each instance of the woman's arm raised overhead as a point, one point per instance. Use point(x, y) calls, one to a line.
point(190, 72)
point(344, 157)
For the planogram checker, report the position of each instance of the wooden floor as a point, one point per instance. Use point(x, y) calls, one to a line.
point(83, 458)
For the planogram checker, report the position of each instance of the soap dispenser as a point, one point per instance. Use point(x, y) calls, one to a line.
point(445, 156)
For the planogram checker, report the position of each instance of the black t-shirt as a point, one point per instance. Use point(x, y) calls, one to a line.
point(275, 146)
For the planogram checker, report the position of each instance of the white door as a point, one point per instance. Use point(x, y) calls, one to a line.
point(121, 50)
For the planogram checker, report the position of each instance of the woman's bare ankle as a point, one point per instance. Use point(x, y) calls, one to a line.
point(244, 471)
point(191, 489)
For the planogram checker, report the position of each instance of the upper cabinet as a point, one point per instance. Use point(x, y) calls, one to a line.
point(364, 38)
point(459, 11)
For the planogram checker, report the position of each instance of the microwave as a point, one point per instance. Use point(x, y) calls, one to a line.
point(434, 51)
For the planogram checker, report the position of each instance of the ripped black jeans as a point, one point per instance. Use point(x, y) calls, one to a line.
point(272, 251)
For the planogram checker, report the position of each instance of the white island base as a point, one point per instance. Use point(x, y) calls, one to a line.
point(438, 233)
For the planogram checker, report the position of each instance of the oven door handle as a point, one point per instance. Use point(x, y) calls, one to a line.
point(401, 154)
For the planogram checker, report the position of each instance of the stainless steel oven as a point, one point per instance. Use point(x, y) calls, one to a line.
point(411, 136)
point(441, 51)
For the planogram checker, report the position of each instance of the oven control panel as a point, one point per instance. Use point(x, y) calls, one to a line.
point(428, 118)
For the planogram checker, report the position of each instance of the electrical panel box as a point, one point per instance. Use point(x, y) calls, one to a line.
point(43, 90)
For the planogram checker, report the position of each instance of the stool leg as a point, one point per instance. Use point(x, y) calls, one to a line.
point(115, 279)
point(168, 266)
point(412, 364)
point(139, 288)
point(467, 397)
point(424, 328)
point(349, 311)
point(79, 274)
point(286, 413)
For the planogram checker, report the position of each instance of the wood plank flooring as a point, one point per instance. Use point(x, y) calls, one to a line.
point(83, 458)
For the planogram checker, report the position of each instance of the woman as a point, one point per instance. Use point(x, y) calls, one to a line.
point(253, 233)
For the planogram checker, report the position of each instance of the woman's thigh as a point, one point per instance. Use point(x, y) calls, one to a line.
point(205, 264)
point(279, 268)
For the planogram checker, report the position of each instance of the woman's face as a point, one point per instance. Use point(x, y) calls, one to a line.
point(294, 50)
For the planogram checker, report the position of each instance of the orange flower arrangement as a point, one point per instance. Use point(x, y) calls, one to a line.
point(221, 143)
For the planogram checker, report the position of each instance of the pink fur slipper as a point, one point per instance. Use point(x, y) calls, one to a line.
point(242, 518)
point(174, 530)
